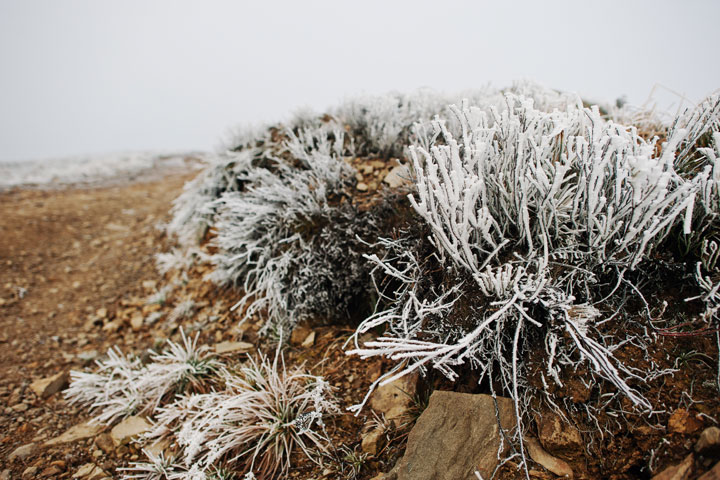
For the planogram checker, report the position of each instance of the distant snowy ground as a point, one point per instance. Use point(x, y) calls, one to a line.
point(95, 169)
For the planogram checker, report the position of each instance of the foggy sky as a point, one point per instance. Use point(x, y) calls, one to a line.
point(96, 76)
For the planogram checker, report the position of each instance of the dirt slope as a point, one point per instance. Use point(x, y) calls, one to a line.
point(64, 255)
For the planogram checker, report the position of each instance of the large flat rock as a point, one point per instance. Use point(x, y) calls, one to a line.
point(457, 434)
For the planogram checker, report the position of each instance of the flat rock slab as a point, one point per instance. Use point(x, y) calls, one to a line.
point(457, 434)
point(45, 387)
point(233, 347)
point(128, 429)
point(90, 471)
point(78, 432)
point(22, 452)
point(713, 474)
point(681, 471)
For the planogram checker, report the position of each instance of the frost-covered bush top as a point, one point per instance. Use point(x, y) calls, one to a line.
point(280, 208)
point(528, 210)
point(512, 250)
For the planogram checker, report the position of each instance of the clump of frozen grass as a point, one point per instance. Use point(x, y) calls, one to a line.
point(382, 125)
point(178, 259)
point(157, 467)
point(263, 414)
point(182, 310)
point(123, 386)
point(160, 467)
point(111, 392)
point(160, 296)
point(526, 210)
point(192, 210)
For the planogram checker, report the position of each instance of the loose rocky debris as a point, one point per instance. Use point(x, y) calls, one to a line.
point(706, 453)
point(713, 474)
point(682, 471)
point(79, 300)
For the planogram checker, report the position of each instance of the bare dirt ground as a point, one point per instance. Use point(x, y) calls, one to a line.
point(76, 267)
point(64, 256)
point(76, 270)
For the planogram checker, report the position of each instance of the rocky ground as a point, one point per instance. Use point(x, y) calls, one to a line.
point(78, 276)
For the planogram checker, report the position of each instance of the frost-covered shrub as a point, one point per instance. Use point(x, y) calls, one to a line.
point(251, 417)
point(264, 413)
point(527, 210)
point(280, 204)
point(192, 210)
point(382, 125)
point(282, 224)
point(124, 386)
point(290, 241)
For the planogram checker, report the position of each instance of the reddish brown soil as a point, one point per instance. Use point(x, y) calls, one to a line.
point(65, 254)
point(77, 265)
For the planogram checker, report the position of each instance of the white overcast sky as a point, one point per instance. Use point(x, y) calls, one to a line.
point(97, 76)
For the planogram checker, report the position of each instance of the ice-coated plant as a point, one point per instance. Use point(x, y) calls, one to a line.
point(264, 413)
point(182, 310)
point(157, 467)
point(278, 206)
point(192, 210)
point(290, 241)
point(526, 211)
point(111, 392)
point(160, 467)
point(124, 386)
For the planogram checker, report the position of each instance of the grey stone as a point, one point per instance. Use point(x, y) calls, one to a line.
point(373, 441)
point(398, 176)
point(558, 437)
point(457, 434)
point(395, 398)
point(78, 432)
point(233, 347)
point(128, 429)
point(45, 387)
point(90, 471)
point(21, 453)
point(30, 472)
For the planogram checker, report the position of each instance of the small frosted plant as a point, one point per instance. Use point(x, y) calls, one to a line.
point(123, 386)
point(159, 297)
point(112, 391)
point(265, 412)
point(157, 467)
point(182, 310)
